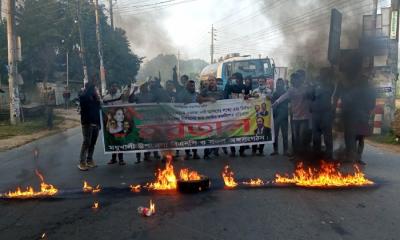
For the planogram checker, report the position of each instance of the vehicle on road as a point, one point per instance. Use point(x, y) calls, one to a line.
point(245, 65)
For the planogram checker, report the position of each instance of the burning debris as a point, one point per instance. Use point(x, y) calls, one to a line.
point(192, 182)
point(254, 182)
point(229, 180)
point(187, 175)
point(95, 205)
point(147, 211)
point(165, 178)
point(327, 175)
point(87, 188)
point(135, 188)
point(46, 190)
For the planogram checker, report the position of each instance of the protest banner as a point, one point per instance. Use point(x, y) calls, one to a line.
point(169, 126)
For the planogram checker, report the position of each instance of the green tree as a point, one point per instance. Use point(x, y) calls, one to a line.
point(164, 64)
point(49, 29)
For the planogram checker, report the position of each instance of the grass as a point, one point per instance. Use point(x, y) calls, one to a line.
point(387, 138)
point(28, 127)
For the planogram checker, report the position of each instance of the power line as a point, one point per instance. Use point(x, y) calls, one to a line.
point(274, 36)
point(291, 23)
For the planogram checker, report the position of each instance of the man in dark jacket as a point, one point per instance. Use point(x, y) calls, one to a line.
point(189, 96)
point(90, 119)
point(236, 89)
point(281, 116)
point(261, 130)
point(322, 113)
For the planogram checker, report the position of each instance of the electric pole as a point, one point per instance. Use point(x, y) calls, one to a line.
point(212, 44)
point(82, 42)
point(111, 14)
point(100, 51)
point(12, 65)
point(374, 14)
point(178, 65)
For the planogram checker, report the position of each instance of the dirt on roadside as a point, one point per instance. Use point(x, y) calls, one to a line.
point(384, 146)
point(71, 119)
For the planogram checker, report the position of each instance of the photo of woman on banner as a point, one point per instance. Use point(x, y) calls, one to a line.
point(120, 123)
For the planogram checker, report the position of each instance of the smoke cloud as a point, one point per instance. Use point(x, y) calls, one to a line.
point(145, 32)
point(304, 27)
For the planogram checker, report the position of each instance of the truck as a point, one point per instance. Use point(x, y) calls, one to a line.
point(247, 66)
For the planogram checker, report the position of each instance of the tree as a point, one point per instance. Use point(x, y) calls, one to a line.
point(49, 30)
point(164, 64)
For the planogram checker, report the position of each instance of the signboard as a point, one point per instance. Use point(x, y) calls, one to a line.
point(393, 25)
point(168, 126)
point(334, 36)
point(383, 82)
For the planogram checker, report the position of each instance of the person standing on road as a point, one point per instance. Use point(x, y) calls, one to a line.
point(145, 96)
point(67, 97)
point(308, 85)
point(189, 96)
point(367, 102)
point(358, 100)
point(234, 90)
point(300, 107)
point(114, 97)
point(281, 114)
point(90, 120)
point(210, 94)
point(322, 112)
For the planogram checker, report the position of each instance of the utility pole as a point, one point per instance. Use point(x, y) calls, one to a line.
point(99, 48)
point(374, 14)
point(111, 14)
point(212, 44)
point(82, 42)
point(12, 64)
point(178, 65)
point(67, 68)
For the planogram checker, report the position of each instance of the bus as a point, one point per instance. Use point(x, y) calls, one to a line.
point(242, 64)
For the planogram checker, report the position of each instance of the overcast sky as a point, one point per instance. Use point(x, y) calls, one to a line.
point(185, 25)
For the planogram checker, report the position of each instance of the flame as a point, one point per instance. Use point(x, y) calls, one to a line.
point(165, 179)
point(186, 175)
point(135, 188)
point(328, 175)
point(255, 182)
point(87, 188)
point(43, 235)
point(152, 207)
point(95, 205)
point(46, 190)
point(227, 175)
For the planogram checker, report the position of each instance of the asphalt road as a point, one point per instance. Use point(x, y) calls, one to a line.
point(270, 213)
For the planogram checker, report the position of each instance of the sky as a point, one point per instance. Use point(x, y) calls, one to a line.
point(187, 26)
point(245, 26)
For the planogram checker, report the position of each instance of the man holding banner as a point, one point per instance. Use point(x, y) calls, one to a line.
point(168, 126)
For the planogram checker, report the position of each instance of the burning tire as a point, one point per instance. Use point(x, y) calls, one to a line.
point(194, 186)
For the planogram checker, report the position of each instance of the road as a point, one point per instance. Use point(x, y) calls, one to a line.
point(271, 213)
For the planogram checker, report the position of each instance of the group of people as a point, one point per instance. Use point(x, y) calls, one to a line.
point(313, 112)
point(309, 107)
